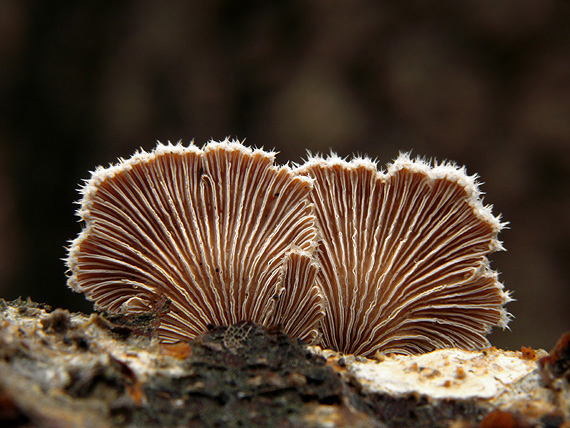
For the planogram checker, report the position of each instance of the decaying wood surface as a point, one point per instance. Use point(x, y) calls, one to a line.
point(59, 369)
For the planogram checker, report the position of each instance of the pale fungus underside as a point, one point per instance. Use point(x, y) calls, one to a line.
point(214, 231)
point(403, 257)
point(333, 252)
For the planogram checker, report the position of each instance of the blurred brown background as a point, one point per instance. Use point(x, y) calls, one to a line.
point(485, 83)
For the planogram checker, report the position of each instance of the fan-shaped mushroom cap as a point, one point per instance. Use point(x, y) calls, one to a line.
point(404, 256)
point(302, 301)
point(220, 232)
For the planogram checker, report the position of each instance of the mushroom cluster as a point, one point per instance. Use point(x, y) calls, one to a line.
point(333, 252)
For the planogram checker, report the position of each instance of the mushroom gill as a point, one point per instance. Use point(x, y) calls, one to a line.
point(403, 256)
point(220, 232)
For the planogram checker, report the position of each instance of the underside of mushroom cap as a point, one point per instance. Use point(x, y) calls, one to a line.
point(404, 256)
point(212, 230)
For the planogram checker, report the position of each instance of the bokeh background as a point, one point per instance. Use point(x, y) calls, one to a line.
point(484, 83)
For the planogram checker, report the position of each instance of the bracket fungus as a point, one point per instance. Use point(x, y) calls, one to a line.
point(334, 252)
point(220, 232)
point(403, 256)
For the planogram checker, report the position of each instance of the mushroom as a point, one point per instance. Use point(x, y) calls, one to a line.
point(220, 232)
point(303, 300)
point(403, 256)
